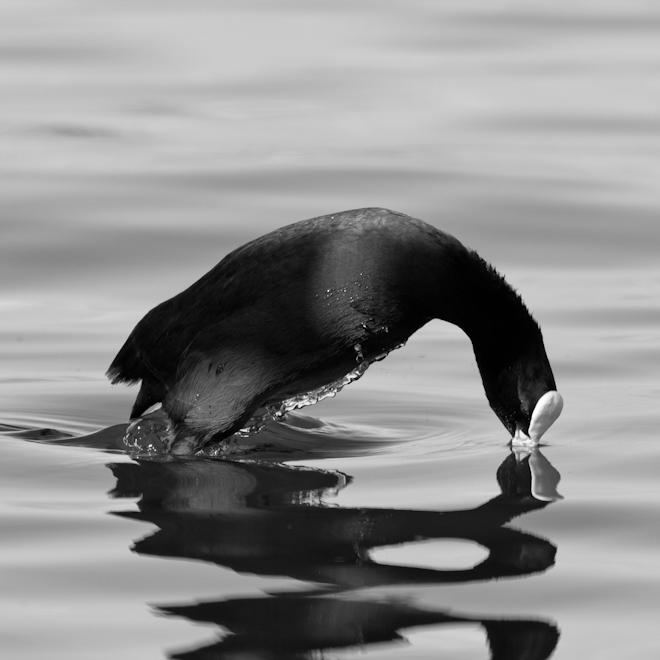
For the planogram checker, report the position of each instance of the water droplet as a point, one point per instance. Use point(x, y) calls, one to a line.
point(358, 353)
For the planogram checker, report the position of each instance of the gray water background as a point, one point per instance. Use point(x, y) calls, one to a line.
point(143, 141)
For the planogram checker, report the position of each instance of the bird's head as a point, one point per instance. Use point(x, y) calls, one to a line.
point(523, 394)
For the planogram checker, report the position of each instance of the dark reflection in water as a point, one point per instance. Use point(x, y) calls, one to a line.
point(295, 626)
point(270, 519)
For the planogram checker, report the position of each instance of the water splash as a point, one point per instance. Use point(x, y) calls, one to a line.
point(277, 411)
point(148, 434)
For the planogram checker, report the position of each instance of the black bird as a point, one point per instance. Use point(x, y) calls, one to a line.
point(306, 304)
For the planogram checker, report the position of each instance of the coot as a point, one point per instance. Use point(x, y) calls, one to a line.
point(304, 305)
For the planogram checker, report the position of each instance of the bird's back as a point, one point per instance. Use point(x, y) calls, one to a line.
point(326, 273)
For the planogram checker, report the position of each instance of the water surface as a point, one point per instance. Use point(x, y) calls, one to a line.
point(144, 141)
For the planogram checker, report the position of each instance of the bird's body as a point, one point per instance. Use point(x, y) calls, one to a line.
point(301, 306)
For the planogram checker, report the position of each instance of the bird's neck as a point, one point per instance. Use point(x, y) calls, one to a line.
point(491, 313)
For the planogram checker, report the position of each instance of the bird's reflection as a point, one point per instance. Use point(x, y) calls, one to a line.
point(256, 518)
point(271, 519)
